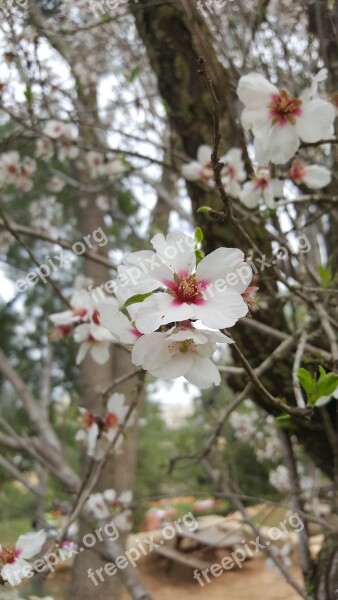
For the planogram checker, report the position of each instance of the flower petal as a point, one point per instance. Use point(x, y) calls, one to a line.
point(31, 544)
point(176, 251)
point(283, 143)
point(316, 120)
point(203, 373)
point(223, 309)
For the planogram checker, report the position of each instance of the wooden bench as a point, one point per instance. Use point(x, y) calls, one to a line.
point(181, 557)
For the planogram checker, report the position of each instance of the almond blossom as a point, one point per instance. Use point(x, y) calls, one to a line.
point(83, 308)
point(210, 291)
point(96, 429)
point(200, 169)
point(109, 505)
point(54, 129)
point(93, 339)
point(261, 188)
point(233, 172)
point(279, 121)
point(182, 350)
point(14, 559)
point(314, 177)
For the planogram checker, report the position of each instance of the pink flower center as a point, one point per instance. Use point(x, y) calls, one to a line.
point(284, 109)
point(11, 169)
point(297, 171)
point(185, 288)
point(261, 183)
point(9, 554)
point(231, 172)
point(61, 331)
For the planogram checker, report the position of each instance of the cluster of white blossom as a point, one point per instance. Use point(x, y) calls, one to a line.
point(279, 124)
point(109, 505)
point(169, 306)
point(98, 432)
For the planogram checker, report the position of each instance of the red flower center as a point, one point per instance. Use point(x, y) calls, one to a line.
point(261, 183)
point(96, 317)
point(80, 312)
point(297, 171)
point(110, 421)
point(8, 555)
point(284, 109)
point(231, 172)
point(88, 419)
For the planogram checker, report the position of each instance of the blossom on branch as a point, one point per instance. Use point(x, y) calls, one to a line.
point(261, 188)
point(280, 122)
point(314, 177)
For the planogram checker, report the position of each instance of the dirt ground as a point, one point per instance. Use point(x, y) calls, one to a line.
point(253, 581)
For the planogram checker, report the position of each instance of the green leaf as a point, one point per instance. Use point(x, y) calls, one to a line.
point(308, 384)
point(199, 255)
point(198, 235)
point(327, 384)
point(284, 421)
point(28, 94)
point(136, 299)
point(204, 209)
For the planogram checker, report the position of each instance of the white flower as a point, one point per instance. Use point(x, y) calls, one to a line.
point(233, 172)
point(262, 187)
point(68, 150)
point(55, 184)
point(314, 177)
point(95, 161)
point(116, 413)
point(278, 121)
point(83, 308)
point(180, 351)
point(210, 292)
point(244, 426)
point(97, 506)
point(113, 167)
point(94, 339)
point(14, 560)
point(279, 479)
point(44, 148)
point(200, 169)
point(54, 129)
point(90, 431)
point(103, 203)
point(9, 166)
